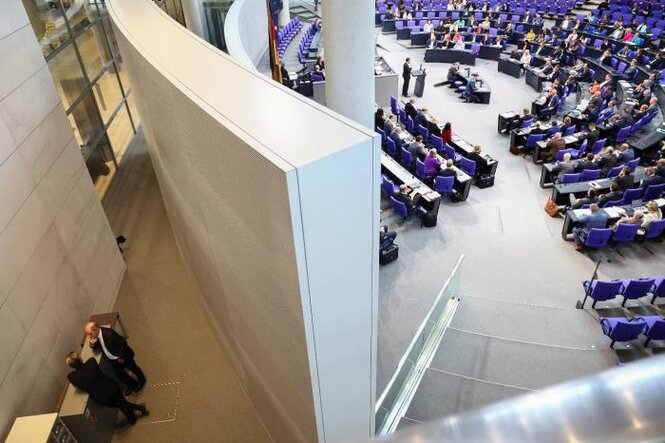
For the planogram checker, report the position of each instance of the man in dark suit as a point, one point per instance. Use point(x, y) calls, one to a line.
point(102, 389)
point(651, 178)
point(447, 170)
point(421, 119)
point(614, 195)
point(406, 76)
point(395, 136)
point(591, 197)
point(607, 160)
point(551, 105)
point(626, 153)
point(410, 108)
point(117, 351)
point(404, 196)
point(660, 167)
point(587, 163)
point(592, 135)
point(625, 180)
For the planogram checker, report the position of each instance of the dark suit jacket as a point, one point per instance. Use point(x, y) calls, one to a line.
point(447, 172)
point(625, 182)
point(405, 199)
point(410, 110)
point(581, 166)
point(90, 379)
point(607, 162)
point(592, 137)
point(653, 180)
point(406, 71)
point(610, 196)
point(584, 201)
point(420, 119)
point(115, 343)
point(398, 141)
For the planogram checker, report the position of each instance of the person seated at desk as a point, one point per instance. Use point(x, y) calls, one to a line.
point(320, 63)
point(476, 156)
point(605, 45)
point(546, 69)
point(605, 58)
point(567, 124)
point(597, 219)
point(410, 108)
point(625, 180)
point(486, 24)
point(397, 138)
point(619, 121)
point(636, 219)
point(624, 52)
point(508, 32)
point(102, 389)
point(530, 36)
point(628, 35)
point(459, 43)
point(587, 163)
point(640, 113)
point(591, 197)
point(447, 133)
point(660, 166)
point(470, 93)
point(584, 75)
point(657, 63)
point(551, 105)
point(606, 160)
point(617, 33)
point(653, 213)
point(615, 194)
point(432, 163)
point(590, 115)
point(525, 60)
point(447, 170)
point(441, 27)
point(418, 148)
point(428, 27)
point(318, 75)
point(453, 74)
point(594, 89)
point(409, 197)
point(380, 119)
point(567, 166)
point(541, 50)
point(517, 121)
point(625, 153)
point(631, 70)
point(421, 118)
point(390, 124)
point(556, 144)
point(651, 178)
point(609, 81)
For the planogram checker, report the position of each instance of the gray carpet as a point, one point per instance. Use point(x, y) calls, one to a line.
point(520, 280)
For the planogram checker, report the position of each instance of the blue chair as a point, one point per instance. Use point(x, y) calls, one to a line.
point(624, 233)
point(393, 105)
point(561, 153)
point(391, 147)
point(632, 289)
point(531, 141)
point(382, 133)
point(653, 192)
point(623, 134)
point(633, 164)
point(600, 144)
point(388, 187)
point(437, 142)
point(589, 174)
point(569, 131)
point(570, 178)
point(424, 132)
point(406, 158)
point(468, 166)
point(621, 329)
point(444, 185)
point(597, 238)
point(658, 289)
point(409, 124)
point(655, 329)
point(631, 195)
point(420, 170)
point(601, 290)
point(654, 231)
point(526, 123)
point(611, 203)
point(615, 171)
point(400, 208)
point(451, 154)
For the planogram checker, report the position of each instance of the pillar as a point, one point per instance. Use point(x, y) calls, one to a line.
point(193, 12)
point(348, 36)
point(285, 14)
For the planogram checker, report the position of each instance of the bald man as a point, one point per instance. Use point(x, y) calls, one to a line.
point(117, 351)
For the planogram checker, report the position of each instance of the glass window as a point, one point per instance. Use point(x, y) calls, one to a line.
point(99, 161)
point(120, 132)
point(133, 110)
point(108, 94)
point(67, 75)
point(94, 51)
point(86, 123)
point(46, 17)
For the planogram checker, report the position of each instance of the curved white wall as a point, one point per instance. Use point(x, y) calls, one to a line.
point(273, 200)
point(246, 31)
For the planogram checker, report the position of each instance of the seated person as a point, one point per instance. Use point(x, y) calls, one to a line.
point(447, 170)
point(606, 58)
point(390, 124)
point(590, 115)
point(640, 113)
point(591, 197)
point(453, 74)
point(606, 160)
point(651, 178)
point(410, 108)
point(657, 63)
point(517, 122)
point(614, 195)
point(556, 144)
point(396, 136)
point(587, 163)
point(594, 88)
point(625, 179)
point(525, 60)
point(476, 157)
point(624, 52)
point(631, 70)
point(550, 106)
point(567, 124)
point(421, 118)
point(636, 219)
point(653, 213)
point(625, 153)
point(379, 119)
point(596, 219)
point(432, 163)
point(410, 198)
point(660, 167)
point(470, 93)
point(447, 133)
point(418, 148)
point(386, 237)
point(567, 166)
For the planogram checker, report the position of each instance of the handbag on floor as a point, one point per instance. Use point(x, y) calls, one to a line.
point(485, 181)
point(428, 219)
point(515, 150)
point(388, 254)
point(551, 208)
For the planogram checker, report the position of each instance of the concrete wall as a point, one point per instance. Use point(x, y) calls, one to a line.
point(273, 200)
point(246, 31)
point(58, 258)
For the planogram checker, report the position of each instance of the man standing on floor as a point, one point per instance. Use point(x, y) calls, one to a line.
point(406, 76)
point(102, 389)
point(115, 348)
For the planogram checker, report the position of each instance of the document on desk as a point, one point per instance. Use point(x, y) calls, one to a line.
point(614, 211)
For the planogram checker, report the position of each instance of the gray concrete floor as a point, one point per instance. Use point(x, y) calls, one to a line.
point(192, 391)
point(520, 280)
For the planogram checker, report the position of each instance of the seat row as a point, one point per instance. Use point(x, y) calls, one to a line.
point(621, 329)
point(306, 45)
point(629, 289)
point(286, 34)
point(599, 238)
